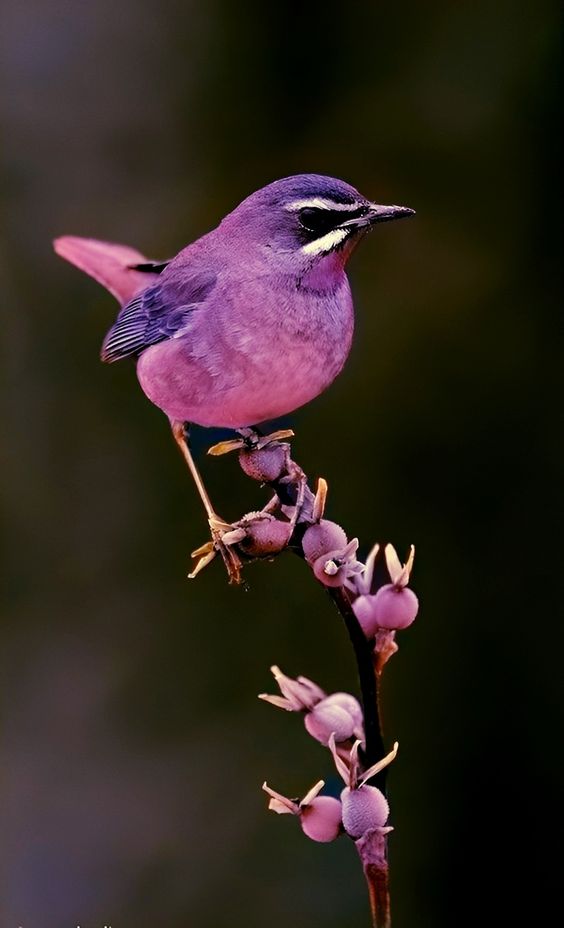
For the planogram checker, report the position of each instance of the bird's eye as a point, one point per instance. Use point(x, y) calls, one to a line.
point(318, 221)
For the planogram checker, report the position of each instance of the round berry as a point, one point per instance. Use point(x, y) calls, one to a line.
point(349, 703)
point(264, 464)
point(394, 607)
point(364, 809)
point(325, 719)
point(265, 536)
point(322, 537)
point(321, 819)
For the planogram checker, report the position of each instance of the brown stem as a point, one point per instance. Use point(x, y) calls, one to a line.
point(369, 683)
point(379, 895)
point(373, 852)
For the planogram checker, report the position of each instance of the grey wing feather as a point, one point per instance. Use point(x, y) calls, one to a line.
point(156, 315)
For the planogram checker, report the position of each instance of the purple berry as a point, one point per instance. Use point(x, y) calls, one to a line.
point(264, 464)
point(364, 809)
point(265, 535)
point(321, 819)
point(394, 607)
point(322, 537)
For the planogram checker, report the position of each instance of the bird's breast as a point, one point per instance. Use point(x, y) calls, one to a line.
point(261, 352)
point(297, 341)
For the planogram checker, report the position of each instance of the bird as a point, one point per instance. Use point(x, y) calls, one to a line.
point(247, 323)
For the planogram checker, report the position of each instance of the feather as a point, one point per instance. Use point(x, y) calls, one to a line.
point(116, 267)
point(158, 313)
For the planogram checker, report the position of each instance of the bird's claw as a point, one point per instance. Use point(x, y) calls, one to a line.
point(207, 552)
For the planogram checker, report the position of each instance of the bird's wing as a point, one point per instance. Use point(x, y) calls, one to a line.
point(159, 313)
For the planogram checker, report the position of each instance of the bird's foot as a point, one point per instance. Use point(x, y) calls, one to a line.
point(207, 552)
point(251, 440)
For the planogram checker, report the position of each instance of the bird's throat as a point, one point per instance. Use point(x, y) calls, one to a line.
point(327, 272)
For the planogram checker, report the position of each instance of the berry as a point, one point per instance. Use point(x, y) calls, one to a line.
point(321, 819)
point(394, 607)
point(364, 809)
point(265, 535)
point(264, 464)
point(323, 719)
point(322, 537)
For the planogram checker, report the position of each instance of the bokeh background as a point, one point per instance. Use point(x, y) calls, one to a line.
point(133, 746)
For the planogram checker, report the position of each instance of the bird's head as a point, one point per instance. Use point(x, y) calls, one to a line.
point(305, 222)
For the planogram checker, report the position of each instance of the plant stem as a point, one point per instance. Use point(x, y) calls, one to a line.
point(372, 848)
point(369, 683)
point(373, 852)
point(379, 894)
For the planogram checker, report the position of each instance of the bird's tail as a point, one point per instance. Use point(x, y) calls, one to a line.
point(113, 266)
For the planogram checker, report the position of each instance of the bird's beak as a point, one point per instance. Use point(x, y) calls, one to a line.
point(378, 213)
point(387, 213)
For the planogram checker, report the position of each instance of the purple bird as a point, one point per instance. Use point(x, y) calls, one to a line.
point(249, 322)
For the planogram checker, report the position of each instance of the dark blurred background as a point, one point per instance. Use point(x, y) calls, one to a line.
point(133, 746)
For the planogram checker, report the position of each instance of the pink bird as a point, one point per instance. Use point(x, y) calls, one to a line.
point(247, 323)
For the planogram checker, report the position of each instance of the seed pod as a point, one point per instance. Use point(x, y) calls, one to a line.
point(265, 535)
point(394, 607)
point(340, 714)
point(320, 816)
point(321, 819)
point(350, 704)
point(363, 809)
point(323, 720)
point(322, 537)
point(264, 464)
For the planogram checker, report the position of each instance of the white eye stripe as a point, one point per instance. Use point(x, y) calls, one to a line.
point(325, 243)
point(322, 203)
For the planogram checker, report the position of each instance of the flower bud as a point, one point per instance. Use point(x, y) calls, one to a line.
point(320, 816)
point(322, 537)
point(336, 567)
point(351, 705)
point(323, 720)
point(363, 809)
point(394, 607)
point(328, 570)
point(339, 714)
point(264, 464)
point(321, 819)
